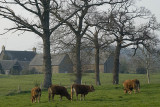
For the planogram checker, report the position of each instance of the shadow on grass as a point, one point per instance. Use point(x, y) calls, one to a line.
point(4, 76)
point(14, 92)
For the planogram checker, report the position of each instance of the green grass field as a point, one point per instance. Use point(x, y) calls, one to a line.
point(106, 95)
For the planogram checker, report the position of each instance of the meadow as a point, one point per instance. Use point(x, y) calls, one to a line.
point(15, 91)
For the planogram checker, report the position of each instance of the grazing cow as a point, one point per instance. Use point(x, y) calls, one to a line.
point(35, 93)
point(81, 89)
point(58, 90)
point(129, 85)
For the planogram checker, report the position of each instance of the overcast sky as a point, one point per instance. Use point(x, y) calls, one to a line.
point(26, 41)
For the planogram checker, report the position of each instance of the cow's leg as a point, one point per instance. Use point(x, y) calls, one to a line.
point(135, 90)
point(125, 91)
point(35, 99)
point(72, 92)
point(60, 98)
point(38, 99)
point(32, 100)
point(77, 96)
point(72, 95)
point(81, 97)
point(138, 89)
point(84, 97)
point(49, 96)
point(52, 97)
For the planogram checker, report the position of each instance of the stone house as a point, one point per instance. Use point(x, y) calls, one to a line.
point(16, 61)
point(13, 62)
point(106, 62)
point(61, 63)
point(11, 67)
point(17, 55)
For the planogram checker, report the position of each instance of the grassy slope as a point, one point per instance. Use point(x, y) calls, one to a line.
point(105, 95)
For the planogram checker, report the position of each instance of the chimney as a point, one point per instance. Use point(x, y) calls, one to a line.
point(3, 48)
point(34, 49)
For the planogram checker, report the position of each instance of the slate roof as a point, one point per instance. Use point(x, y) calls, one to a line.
point(56, 59)
point(20, 55)
point(8, 64)
point(102, 60)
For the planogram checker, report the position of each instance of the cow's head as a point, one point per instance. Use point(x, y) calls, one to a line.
point(128, 91)
point(68, 97)
point(38, 91)
point(92, 88)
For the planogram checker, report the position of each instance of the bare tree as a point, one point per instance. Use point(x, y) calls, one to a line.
point(121, 26)
point(149, 57)
point(78, 25)
point(41, 25)
point(96, 36)
point(95, 41)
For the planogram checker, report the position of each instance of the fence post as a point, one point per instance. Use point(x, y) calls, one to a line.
point(19, 89)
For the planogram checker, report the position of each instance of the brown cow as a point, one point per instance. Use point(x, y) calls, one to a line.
point(35, 93)
point(58, 90)
point(81, 89)
point(129, 85)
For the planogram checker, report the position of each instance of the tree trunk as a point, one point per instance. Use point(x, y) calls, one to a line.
point(148, 76)
point(46, 45)
point(47, 63)
point(97, 58)
point(78, 61)
point(116, 64)
point(148, 57)
point(97, 65)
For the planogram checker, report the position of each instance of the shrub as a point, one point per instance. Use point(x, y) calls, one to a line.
point(32, 71)
point(141, 70)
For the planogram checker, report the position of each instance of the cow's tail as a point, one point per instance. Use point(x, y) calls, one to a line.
point(72, 92)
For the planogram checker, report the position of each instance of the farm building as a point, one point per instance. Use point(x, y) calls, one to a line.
point(106, 62)
point(13, 62)
point(11, 67)
point(18, 61)
point(61, 63)
point(17, 55)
